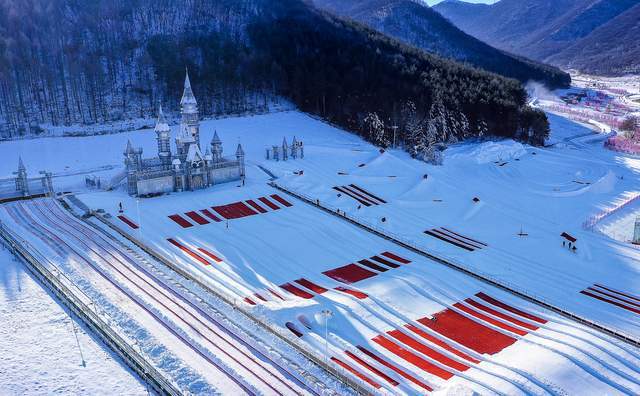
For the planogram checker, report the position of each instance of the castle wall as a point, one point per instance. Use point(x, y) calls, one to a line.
point(156, 185)
point(223, 175)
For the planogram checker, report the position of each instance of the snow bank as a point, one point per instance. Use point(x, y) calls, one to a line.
point(497, 151)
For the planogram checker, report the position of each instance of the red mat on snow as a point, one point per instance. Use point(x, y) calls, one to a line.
point(128, 222)
point(614, 297)
point(197, 218)
point(234, 210)
point(180, 220)
point(296, 290)
point(349, 273)
point(188, 251)
point(210, 215)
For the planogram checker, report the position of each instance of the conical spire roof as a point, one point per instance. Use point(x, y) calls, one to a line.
point(129, 148)
point(284, 142)
point(239, 150)
point(294, 141)
point(21, 166)
point(216, 138)
point(161, 124)
point(187, 94)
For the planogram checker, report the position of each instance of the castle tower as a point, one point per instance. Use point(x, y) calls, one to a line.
point(133, 164)
point(189, 110)
point(636, 232)
point(285, 149)
point(22, 185)
point(240, 158)
point(216, 148)
point(294, 148)
point(162, 136)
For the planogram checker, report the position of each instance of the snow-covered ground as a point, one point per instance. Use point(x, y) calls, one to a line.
point(44, 351)
point(405, 326)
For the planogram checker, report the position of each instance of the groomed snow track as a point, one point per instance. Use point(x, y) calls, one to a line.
point(587, 322)
point(249, 369)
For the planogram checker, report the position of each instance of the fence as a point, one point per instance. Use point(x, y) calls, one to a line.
point(591, 222)
point(484, 277)
point(85, 308)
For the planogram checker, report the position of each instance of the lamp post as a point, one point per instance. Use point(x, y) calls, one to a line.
point(327, 314)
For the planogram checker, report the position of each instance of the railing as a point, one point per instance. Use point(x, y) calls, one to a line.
point(86, 309)
point(482, 276)
point(359, 386)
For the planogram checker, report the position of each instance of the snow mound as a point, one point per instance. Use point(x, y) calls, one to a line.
point(498, 151)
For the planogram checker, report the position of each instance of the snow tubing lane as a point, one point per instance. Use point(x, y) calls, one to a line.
point(357, 294)
point(509, 308)
point(401, 372)
point(373, 266)
point(210, 255)
point(340, 189)
point(614, 296)
point(468, 332)
point(220, 327)
point(396, 257)
point(356, 372)
point(617, 304)
point(372, 369)
point(180, 220)
point(188, 251)
point(310, 285)
point(385, 262)
point(362, 197)
point(617, 292)
point(465, 237)
point(295, 290)
point(257, 207)
point(433, 234)
point(412, 358)
point(349, 273)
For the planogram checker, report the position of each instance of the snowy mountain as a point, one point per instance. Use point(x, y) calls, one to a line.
point(416, 24)
point(596, 36)
point(69, 62)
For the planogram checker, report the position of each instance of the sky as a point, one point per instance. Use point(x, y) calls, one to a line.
point(432, 2)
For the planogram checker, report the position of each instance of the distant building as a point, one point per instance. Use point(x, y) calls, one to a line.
point(187, 169)
point(636, 232)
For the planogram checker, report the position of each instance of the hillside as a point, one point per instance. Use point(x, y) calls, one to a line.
point(422, 27)
point(75, 62)
point(556, 31)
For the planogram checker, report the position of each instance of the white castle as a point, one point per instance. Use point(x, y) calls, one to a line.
point(188, 169)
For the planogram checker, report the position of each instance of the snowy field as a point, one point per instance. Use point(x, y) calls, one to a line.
point(288, 261)
point(44, 351)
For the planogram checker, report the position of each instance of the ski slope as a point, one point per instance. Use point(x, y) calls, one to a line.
point(401, 323)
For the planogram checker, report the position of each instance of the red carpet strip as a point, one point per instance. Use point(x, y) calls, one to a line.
point(412, 357)
point(614, 296)
point(425, 350)
point(357, 294)
point(342, 190)
point(509, 308)
point(612, 302)
point(500, 315)
point(210, 215)
point(373, 266)
point(350, 273)
point(360, 196)
point(448, 240)
point(310, 285)
point(188, 251)
point(362, 190)
point(281, 200)
point(180, 220)
point(257, 207)
point(385, 262)
point(197, 218)
point(211, 255)
point(396, 258)
point(295, 290)
point(270, 204)
point(128, 222)
point(356, 372)
point(403, 373)
point(440, 343)
point(372, 369)
point(617, 292)
point(465, 237)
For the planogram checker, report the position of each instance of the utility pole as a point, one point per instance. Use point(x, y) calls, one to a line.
point(327, 314)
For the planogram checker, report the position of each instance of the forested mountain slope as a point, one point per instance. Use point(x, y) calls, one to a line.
point(76, 61)
point(557, 31)
point(416, 24)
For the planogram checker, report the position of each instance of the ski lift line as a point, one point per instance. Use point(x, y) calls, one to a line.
point(474, 273)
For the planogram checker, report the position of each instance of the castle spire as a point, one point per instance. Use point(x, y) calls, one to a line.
point(187, 94)
point(21, 166)
point(161, 124)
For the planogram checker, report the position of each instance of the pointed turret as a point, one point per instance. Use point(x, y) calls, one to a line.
point(187, 94)
point(162, 136)
point(161, 123)
point(240, 158)
point(127, 151)
point(294, 148)
point(216, 147)
point(285, 149)
point(21, 167)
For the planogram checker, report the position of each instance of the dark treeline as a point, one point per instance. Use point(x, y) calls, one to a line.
point(73, 61)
